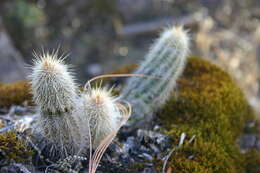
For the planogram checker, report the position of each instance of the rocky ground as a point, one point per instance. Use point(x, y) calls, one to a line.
point(133, 151)
point(129, 150)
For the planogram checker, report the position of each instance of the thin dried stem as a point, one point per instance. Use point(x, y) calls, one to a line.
point(117, 75)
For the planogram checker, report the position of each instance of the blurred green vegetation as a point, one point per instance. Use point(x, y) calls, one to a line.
point(24, 23)
point(14, 149)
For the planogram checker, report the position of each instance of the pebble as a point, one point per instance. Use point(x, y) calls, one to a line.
point(247, 141)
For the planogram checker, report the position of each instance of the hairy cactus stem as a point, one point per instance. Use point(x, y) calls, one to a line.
point(102, 110)
point(166, 59)
point(54, 90)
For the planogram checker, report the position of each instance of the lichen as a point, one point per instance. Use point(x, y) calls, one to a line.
point(14, 94)
point(13, 148)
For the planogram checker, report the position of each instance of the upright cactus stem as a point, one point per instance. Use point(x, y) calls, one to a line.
point(54, 89)
point(60, 123)
point(102, 110)
point(166, 59)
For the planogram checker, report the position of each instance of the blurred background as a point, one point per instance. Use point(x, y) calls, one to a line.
point(102, 35)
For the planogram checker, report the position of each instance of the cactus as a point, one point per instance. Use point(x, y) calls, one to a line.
point(60, 123)
point(105, 117)
point(53, 86)
point(166, 59)
point(103, 112)
point(68, 121)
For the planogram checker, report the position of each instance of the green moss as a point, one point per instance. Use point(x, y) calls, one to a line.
point(15, 94)
point(23, 20)
point(104, 6)
point(205, 94)
point(14, 149)
point(210, 105)
point(253, 161)
point(125, 69)
point(201, 156)
point(204, 155)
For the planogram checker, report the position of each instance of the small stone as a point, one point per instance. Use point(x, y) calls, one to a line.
point(248, 141)
point(94, 69)
point(191, 157)
point(147, 156)
point(155, 148)
point(131, 145)
point(144, 149)
point(156, 128)
point(19, 110)
point(149, 170)
point(9, 169)
point(125, 159)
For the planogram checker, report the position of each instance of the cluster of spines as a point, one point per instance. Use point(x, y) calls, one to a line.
point(53, 86)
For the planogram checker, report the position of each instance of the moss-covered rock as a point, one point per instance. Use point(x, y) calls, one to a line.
point(253, 161)
point(14, 149)
point(205, 94)
point(210, 105)
point(202, 156)
point(15, 93)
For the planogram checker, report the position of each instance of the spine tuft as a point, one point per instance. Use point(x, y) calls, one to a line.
point(53, 86)
point(102, 112)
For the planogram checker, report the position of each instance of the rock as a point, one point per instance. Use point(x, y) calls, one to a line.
point(17, 168)
point(9, 169)
point(12, 64)
point(147, 156)
point(248, 141)
point(163, 141)
point(149, 170)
